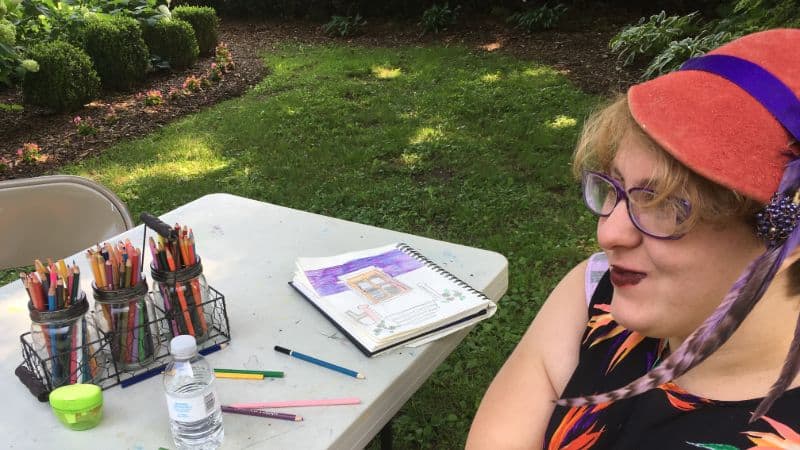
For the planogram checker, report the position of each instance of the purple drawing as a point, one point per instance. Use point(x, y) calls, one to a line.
point(394, 262)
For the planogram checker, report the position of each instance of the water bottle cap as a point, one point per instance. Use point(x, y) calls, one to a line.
point(183, 346)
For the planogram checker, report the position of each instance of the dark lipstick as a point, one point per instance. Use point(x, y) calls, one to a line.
point(622, 277)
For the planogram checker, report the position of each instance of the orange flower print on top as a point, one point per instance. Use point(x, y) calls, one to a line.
point(786, 438)
point(599, 331)
point(577, 429)
point(680, 399)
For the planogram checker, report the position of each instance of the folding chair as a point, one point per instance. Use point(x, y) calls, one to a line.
point(56, 216)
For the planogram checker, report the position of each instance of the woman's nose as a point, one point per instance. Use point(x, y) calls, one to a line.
point(617, 229)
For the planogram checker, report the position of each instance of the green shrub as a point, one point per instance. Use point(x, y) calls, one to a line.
point(344, 25)
point(650, 37)
point(544, 17)
point(173, 42)
point(677, 52)
point(668, 41)
point(117, 49)
point(437, 18)
point(65, 80)
point(205, 22)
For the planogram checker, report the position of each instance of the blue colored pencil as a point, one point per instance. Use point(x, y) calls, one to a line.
point(319, 362)
point(158, 370)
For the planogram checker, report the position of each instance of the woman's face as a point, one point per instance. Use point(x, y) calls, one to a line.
point(666, 288)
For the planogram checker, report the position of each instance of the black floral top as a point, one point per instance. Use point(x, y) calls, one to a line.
point(664, 418)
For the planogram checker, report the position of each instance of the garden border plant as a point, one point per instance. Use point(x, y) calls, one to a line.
point(172, 43)
point(117, 49)
point(66, 78)
point(205, 23)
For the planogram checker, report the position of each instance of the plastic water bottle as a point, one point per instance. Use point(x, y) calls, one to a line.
point(195, 414)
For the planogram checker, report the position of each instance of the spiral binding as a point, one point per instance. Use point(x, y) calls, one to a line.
point(407, 249)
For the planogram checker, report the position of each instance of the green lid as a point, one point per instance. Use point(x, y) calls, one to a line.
point(76, 397)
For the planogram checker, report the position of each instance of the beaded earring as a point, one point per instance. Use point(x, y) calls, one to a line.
point(777, 220)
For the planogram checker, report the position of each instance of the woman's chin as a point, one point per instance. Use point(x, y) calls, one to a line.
point(635, 318)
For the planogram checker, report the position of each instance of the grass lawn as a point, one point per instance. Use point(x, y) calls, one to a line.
point(443, 142)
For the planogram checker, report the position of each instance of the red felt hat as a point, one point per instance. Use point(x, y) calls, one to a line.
point(715, 127)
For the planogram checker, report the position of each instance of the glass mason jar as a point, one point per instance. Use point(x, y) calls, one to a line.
point(184, 296)
point(127, 319)
point(66, 344)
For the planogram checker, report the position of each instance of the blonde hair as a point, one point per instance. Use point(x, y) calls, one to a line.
point(711, 202)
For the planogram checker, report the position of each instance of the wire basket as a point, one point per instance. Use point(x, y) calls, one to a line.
point(34, 372)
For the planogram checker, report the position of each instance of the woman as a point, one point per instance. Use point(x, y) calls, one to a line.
point(694, 314)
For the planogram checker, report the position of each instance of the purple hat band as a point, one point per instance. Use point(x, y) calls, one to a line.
point(763, 86)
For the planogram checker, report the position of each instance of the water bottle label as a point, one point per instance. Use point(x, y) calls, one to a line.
point(191, 409)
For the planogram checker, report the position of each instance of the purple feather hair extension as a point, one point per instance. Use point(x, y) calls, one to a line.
point(722, 323)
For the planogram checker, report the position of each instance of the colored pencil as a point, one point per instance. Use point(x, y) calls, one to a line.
point(198, 298)
point(79, 352)
point(128, 382)
point(239, 376)
point(299, 403)
point(73, 353)
point(184, 300)
point(319, 362)
point(260, 413)
point(264, 373)
point(51, 298)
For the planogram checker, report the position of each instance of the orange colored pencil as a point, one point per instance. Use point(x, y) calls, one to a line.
point(181, 297)
point(184, 252)
point(198, 301)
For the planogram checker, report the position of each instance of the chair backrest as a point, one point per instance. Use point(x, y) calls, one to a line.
point(56, 216)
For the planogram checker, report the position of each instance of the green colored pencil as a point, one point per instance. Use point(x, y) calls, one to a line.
point(266, 373)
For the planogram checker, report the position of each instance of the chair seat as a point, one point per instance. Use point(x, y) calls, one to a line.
point(56, 216)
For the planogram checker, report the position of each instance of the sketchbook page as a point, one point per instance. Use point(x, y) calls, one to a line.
point(387, 293)
point(357, 333)
point(492, 308)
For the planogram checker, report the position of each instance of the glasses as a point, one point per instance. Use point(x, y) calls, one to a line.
point(660, 219)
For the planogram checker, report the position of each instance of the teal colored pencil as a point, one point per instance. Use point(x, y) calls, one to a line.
point(319, 362)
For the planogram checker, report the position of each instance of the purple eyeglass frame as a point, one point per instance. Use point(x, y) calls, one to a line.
point(624, 195)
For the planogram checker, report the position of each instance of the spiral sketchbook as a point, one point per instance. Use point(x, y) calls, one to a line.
point(389, 296)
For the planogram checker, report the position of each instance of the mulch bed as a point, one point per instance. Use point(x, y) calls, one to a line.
point(581, 54)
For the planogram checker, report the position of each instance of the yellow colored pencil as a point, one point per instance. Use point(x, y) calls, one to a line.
point(241, 376)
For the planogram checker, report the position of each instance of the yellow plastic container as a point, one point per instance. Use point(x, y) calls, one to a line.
point(78, 406)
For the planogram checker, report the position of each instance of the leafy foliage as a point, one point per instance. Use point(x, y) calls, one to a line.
point(205, 22)
point(66, 78)
point(117, 49)
point(650, 37)
point(47, 20)
point(171, 42)
point(9, 52)
point(544, 17)
point(747, 16)
point(345, 25)
point(677, 52)
point(147, 12)
point(439, 17)
point(669, 41)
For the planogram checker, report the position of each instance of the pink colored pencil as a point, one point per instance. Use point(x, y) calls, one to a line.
point(296, 403)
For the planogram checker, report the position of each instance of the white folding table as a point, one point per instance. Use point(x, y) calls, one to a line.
point(248, 249)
